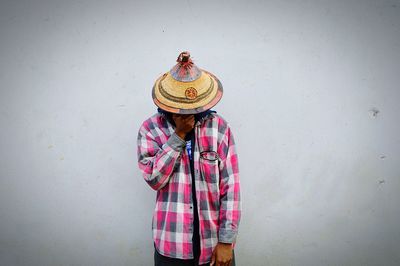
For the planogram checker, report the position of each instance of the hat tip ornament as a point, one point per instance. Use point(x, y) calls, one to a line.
point(185, 70)
point(183, 57)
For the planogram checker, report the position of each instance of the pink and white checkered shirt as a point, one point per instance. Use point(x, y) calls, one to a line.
point(165, 165)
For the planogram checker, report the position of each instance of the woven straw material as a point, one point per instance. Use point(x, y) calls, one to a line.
point(187, 97)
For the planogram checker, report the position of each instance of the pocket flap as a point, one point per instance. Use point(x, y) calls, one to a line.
point(209, 155)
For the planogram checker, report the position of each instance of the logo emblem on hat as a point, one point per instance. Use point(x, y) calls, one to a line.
point(191, 93)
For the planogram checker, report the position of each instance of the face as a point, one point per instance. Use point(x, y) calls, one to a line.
point(180, 119)
point(180, 116)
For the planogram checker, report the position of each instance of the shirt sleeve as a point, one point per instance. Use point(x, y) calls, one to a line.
point(155, 161)
point(230, 202)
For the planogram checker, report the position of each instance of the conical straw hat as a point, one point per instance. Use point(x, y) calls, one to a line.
point(186, 89)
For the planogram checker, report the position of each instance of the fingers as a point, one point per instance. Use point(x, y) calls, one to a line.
point(190, 120)
point(218, 262)
point(184, 120)
point(212, 259)
point(221, 261)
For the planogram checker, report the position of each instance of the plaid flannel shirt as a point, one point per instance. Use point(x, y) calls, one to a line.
point(164, 162)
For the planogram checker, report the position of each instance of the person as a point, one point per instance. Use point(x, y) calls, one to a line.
point(187, 153)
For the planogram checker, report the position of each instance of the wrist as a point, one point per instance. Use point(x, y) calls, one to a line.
point(180, 134)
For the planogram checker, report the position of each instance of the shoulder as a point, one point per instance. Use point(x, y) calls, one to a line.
point(220, 122)
point(156, 120)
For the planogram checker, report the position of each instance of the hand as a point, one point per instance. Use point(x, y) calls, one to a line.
point(222, 255)
point(184, 123)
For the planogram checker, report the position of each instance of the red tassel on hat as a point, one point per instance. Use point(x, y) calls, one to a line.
point(184, 60)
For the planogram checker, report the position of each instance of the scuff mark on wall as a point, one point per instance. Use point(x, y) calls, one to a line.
point(374, 112)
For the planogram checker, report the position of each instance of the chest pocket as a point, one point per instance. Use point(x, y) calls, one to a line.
point(209, 162)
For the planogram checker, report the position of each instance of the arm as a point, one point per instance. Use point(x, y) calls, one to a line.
point(230, 204)
point(157, 162)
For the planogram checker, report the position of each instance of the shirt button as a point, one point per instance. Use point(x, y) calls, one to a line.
point(191, 206)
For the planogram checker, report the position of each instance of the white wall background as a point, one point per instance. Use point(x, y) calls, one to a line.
point(311, 93)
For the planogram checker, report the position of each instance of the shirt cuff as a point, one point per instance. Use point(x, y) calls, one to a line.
point(227, 236)
point(175, 142)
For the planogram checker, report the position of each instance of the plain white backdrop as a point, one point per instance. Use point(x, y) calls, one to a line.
point(311, 91)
